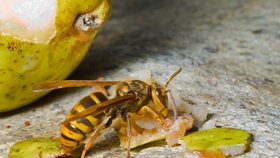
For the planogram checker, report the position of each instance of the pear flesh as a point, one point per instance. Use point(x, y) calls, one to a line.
point(28, 20)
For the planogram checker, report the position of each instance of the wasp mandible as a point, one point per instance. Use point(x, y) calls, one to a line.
point(95, 112)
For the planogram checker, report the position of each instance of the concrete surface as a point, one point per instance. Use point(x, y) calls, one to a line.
point(229, 52)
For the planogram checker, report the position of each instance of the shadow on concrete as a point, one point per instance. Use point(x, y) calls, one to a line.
point(136, 31)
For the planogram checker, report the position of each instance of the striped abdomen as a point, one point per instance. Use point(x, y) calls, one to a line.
point(73, 133)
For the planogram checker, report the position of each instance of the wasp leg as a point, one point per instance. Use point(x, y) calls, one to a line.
point(174, 106)
point(154, 115)
point(97, 131)
point(128, 134)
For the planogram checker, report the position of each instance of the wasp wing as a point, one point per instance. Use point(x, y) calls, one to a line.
point(99, 108)
point(51, 85)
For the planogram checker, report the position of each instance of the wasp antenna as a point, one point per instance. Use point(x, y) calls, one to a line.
point(172, 76)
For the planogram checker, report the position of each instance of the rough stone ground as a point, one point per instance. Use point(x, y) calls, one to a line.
point(229, 52)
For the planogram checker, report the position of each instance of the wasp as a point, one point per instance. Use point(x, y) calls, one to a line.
point(95, 112)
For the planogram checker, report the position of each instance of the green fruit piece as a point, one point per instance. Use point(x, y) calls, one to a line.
point(228, 140)
point(24, 63)
point(37, 148)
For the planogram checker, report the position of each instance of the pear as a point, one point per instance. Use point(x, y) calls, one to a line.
point(226, 141)
point(37, 148)
point(43, 40)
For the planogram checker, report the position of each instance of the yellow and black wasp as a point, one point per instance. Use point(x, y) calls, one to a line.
point(95, 112)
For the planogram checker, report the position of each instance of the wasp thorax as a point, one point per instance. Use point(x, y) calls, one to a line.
point(139, 89)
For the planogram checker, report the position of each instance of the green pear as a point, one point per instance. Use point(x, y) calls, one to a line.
point(42, 41)
point(229, 141)
point(37, 148)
